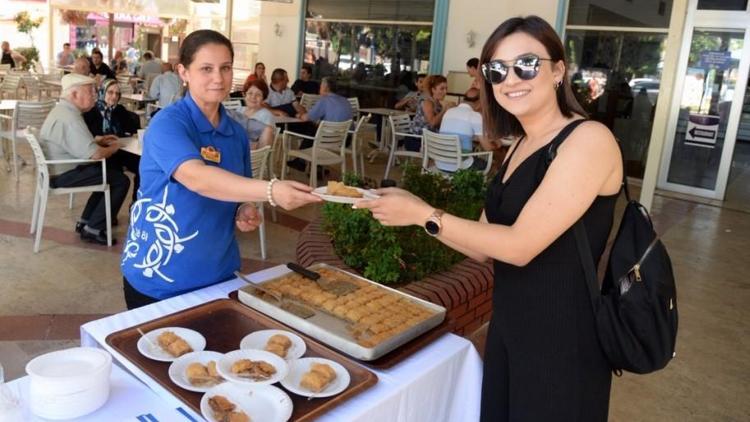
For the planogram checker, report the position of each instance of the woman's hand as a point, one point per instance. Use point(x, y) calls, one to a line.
point(290, 195)
point(397, 207)
point(248, 217)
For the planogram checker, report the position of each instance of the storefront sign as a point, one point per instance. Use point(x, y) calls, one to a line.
point(702, 130)
point(720, 60)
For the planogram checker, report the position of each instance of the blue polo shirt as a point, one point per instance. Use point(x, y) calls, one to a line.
point(178, 240)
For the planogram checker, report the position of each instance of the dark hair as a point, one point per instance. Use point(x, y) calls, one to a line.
point(258, 64)
point(433, 81)
point(67, 44)
point(331, 82)
point(197, 39)
point(262, 86)
point(421, 76)
point(308, 68)
point(498, 122)
point(97, 53)
point(277, 74)
point(473, 62)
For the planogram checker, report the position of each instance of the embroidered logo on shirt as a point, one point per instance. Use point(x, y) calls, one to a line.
point(166, 240)
point(211, 154)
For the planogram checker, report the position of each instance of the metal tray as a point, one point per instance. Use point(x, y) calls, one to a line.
point(333, 331)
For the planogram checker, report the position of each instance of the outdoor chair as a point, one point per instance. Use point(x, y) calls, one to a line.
point(43, 188)
point(308, 101)
point(26, 113)
point(232, 104)
point(356, 147)
point(259, 161)
point(328, 148)
point(11, 86)
point(400, 130)
point(447, 148)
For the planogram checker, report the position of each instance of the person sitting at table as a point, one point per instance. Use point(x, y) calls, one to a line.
point(64, 136)
point(257, 120)
point(430, 110)
point(259, 73)
point(98, 68)
point(150, 66)
point(65, 57)
point(165, 87)
point(472, 67)
point(410, 101)
point(281, 100)
point(196, 184)
point(81, 66)
point(543, 360)
point(465, 120)
point(11, 57)
point(109, 117)
point(304, 85)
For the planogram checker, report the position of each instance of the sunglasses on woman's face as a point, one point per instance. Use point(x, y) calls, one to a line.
point(526, 68)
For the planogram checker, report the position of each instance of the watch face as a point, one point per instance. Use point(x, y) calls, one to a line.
point(432, 228)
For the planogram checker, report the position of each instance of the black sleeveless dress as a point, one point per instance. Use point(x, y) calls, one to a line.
point(543, 361)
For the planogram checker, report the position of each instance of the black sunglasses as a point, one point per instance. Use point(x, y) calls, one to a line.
point(526, 68)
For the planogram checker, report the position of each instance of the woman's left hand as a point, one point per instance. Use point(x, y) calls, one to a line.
point(248, 218)
point(396, 207)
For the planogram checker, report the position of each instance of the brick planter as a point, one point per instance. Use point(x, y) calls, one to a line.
point(465, 289)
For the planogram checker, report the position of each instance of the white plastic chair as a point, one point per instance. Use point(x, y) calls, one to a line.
point(399, 128)
point(232, 104)
point(356, 147)
point(43, 189)
point(12, 83)
point(308, 101)
point(259, 160)
point(26, 113)
point(328, 148)
point(447, 148)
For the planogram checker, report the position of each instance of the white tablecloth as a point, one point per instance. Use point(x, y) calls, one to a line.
point(441, 382)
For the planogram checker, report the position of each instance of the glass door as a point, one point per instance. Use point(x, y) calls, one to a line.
point(707, 107)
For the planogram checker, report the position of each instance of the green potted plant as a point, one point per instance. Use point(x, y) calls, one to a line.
point(26, 25)
point(393, 255)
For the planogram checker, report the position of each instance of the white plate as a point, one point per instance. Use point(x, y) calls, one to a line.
point(224, 366)
point(178, 367)
point(258, 339)
point(260, 402)
point(195, 339)
point(366, 194)
point(298, 368)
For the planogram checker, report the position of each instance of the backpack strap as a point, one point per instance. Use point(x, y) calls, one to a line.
point(560, 138)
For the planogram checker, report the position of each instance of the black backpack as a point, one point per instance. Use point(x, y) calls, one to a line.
point(636, 308)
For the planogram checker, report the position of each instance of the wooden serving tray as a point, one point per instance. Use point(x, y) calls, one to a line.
point(224, 322)
point(394, 357)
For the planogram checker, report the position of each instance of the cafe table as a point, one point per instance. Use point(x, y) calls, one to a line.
point(441, 382)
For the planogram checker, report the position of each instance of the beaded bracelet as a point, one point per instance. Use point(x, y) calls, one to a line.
point(269, 191)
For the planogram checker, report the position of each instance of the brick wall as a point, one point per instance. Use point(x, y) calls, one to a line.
point(465, 289)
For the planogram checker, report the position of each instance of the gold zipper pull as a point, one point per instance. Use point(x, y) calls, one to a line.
point(637, 271)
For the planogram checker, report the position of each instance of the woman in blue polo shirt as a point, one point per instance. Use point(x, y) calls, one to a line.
point(195, 173)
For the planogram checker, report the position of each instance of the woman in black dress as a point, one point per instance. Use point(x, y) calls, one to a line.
point(109, 117)
point(542, 361)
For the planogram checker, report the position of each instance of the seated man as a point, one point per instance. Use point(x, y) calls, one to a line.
point(304, 85)
point(166, 87)
point(150, 65)
point(82, 66)
point(464, 120)
point(98, 68)
point(64, 136)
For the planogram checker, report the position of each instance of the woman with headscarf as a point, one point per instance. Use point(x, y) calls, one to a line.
point(109, 117)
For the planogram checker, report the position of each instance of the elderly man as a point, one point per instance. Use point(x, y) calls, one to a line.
point(64, 136)
point(465, 120)
point(11, 57)
point(165, 87)
point(82, 66)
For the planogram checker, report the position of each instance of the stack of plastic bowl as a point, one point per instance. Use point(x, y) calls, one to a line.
point(69, 383)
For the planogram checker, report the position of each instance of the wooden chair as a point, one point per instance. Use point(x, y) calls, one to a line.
point(26, 114)
point(400, 130)
point(259, 162)
point(447, 149)
point(328, 148)
point(43, 189)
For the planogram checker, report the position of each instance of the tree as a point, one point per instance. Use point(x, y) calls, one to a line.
point(26, 25)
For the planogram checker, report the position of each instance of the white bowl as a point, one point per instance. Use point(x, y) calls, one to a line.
point(69, 383)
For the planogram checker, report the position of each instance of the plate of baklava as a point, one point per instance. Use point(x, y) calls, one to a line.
point(282, 343)
point(316, 377)
point(252, 367)
point(196, 371)
point(239, 403)
point(343, 194)
point(169, 343)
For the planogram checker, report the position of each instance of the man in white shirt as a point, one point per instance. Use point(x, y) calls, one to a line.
point(65, 57)
point(65, 136)
point(166, 87)
point(464, 120)
point(150, 65)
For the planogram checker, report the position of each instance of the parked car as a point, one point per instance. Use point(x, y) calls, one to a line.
point(651, 86)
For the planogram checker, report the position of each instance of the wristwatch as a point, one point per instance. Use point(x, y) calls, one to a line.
point(434, 224)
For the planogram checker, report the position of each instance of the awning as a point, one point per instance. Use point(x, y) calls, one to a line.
point(183, 9)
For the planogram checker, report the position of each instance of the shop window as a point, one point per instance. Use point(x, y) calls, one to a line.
point(373, 10)
point(722, 4)
point(616, 77)
point(636, 13)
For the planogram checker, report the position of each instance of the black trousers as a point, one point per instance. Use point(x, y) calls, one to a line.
point(130, 162)
point(134, 298)
point(91, 174)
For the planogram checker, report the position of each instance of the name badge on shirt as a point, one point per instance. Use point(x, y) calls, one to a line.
point(211, 154)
